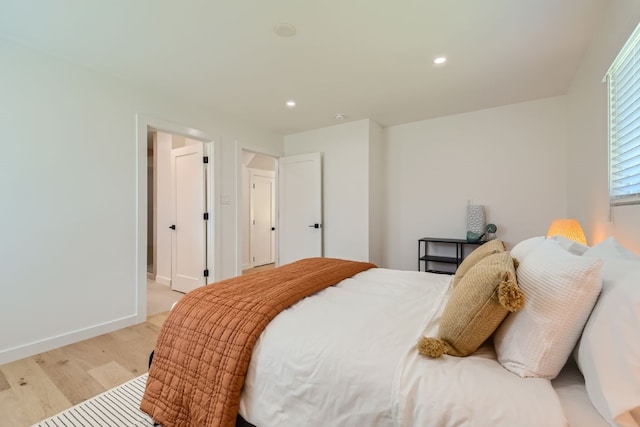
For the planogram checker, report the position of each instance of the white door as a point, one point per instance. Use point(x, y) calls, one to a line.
point(262, 220)
point(188, 256)
point(300, 207)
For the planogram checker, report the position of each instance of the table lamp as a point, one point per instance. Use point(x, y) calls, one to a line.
point(569, 228)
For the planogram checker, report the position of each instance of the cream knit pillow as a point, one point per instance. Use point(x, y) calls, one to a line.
point(561, 289)
point(491, 247)
point(482, 299)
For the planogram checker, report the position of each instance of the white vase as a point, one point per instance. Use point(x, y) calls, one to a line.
point(476, 220)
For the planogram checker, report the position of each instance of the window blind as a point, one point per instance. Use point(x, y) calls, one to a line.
point(623, 80)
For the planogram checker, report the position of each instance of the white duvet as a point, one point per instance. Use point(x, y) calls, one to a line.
point(346, 357)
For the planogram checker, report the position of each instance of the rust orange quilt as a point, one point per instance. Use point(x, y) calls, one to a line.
point(205, 345)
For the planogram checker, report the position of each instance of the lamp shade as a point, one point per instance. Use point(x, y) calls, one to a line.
point(569, 228)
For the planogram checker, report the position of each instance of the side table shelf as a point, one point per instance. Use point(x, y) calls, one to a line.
point(424, 259)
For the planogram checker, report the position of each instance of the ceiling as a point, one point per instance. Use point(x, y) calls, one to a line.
point(361, 58)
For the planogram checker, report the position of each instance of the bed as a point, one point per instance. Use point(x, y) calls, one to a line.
point(346, 355)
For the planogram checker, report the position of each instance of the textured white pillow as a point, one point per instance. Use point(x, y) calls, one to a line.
point(524, 248)
point(610, 248)
point(560, 290)
point(608, 353)
point(571, 246)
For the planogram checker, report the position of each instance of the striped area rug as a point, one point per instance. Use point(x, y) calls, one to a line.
point(117, 407)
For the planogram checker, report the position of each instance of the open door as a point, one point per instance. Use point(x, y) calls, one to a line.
point(262, 205)
point(188, 260)
point(300, 207)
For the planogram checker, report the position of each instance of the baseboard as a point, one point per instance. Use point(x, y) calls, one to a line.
point(150, 275)
point(36, 347)
point(163, 280)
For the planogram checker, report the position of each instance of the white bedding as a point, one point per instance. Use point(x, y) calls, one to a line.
point(570, 388)
point(346, 357)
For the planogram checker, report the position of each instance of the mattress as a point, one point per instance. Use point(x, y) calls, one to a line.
point(346, 356)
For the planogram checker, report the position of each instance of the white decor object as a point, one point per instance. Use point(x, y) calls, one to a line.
point(476, 219)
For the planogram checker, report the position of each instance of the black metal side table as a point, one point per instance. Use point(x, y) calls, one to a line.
point(425, 259)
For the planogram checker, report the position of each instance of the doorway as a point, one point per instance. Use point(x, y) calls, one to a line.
point(177, 210)
point(297, 206)
point(145, 125)
point(258, 209)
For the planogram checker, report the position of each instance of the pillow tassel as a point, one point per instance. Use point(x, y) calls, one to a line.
point(432, 347)
point(510, 296)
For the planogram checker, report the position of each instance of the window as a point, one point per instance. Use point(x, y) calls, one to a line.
point(623, 80)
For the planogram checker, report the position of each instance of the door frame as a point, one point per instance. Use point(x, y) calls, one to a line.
point(239, 148)
point(212, 149)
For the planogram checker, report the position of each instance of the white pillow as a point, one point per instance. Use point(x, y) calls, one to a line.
point(560, 290)
point(524, 248)
point(608, 353)
point(571, 246)
point(610, 248)
point(616, 269)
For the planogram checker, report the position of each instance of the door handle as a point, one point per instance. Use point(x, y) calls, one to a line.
point(173, 227)
point(316, 225)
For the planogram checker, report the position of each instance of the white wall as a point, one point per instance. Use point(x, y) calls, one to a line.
point(345, 185)
point(70, 197)
point(512, 159)
point(587, 180)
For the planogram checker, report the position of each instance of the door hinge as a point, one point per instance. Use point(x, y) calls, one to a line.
point(254, 186)
point(206, 216)
point(206, 273)
point(205, 159)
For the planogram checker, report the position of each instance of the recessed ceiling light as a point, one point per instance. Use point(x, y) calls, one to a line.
point(284, 29)
point(340, 116)
point(440, 60)
point(291, 103)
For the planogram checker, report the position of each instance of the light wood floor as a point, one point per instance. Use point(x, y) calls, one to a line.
point(40, 386)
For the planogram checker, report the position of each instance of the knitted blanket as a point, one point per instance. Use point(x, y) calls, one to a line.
point(205, 345)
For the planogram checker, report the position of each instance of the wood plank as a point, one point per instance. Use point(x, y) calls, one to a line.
point(111, 375)
point(88, 354)
point(4, 384)
point(33, 396)
point(131, 355)
point(158, 319)
point(69, 376)
point(40, 386)
point(131, 347)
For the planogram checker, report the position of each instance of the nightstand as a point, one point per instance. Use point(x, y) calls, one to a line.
point(427, 257)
